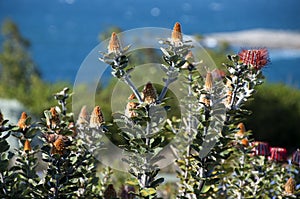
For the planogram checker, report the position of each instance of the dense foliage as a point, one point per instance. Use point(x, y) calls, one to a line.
point(215, 156)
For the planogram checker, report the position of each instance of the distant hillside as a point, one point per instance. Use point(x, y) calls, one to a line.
point(258, 38)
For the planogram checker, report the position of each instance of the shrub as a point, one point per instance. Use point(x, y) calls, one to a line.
point(214, 154)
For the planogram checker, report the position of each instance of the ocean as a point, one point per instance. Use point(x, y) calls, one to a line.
point(63, 32)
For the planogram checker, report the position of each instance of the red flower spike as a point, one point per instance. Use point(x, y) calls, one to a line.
point(296, 157)
point(261, 148)
point(278, 154)
point(256, 58)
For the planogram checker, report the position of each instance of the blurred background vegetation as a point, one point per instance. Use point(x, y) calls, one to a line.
point(276, 107)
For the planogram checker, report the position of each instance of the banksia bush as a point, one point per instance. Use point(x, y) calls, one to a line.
point(213, 152)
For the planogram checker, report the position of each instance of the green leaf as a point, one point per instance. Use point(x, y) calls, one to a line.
point(132, 182)
point(147, 192)
point(3, 165)
point(205, 189)
point(4, 146)
point(156, 183)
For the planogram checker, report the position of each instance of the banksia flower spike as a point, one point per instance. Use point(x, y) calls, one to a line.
point(176, 38)
point(261, 148)
point(54, 120)
point(278, 154)
point(27, 146)
point(256, 58)
point(130, 112)
point(290, 186)
point(22, 121)
point(208, 82)
point(83, 117)
point(110, 192)
point(97, 118)
point(73, 128)
point(242, 130)
point(241, 133)
point(58, 146)
point(296, 157)
point(114, 45)
point(149, 94)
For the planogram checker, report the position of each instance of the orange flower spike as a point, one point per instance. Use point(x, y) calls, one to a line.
point(58, 146)
point(208, 82)
point(149, 94)
point(242, 130)
point(27, 146)
point(114, 45)
point(22, 121)
point(83, 116)
point(129, 112)
point(177, 35)
point(290, 186)
point(54, 121)
point(245, 142)
point(97, 118)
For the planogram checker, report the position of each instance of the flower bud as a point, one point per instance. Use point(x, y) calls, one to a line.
point(130, 112)
point(242, 130)
point(149, 94)
point(290, 186)
point(114, 45)
point(22, 121)
point(208, 82)
point(58, 146)
point(54, 120)
point(97, 118)
point(176, 38)
point(27, 146)
point(83, 117)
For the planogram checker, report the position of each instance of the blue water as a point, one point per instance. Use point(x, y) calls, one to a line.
point(63, 32)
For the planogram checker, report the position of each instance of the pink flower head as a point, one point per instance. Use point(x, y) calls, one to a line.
point(256, 58)
point(261, 148)
point(278, 154)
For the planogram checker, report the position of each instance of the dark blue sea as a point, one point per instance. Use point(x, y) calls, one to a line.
point(63, 32)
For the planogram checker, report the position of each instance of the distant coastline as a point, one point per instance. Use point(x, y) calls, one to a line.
point(273, 39)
